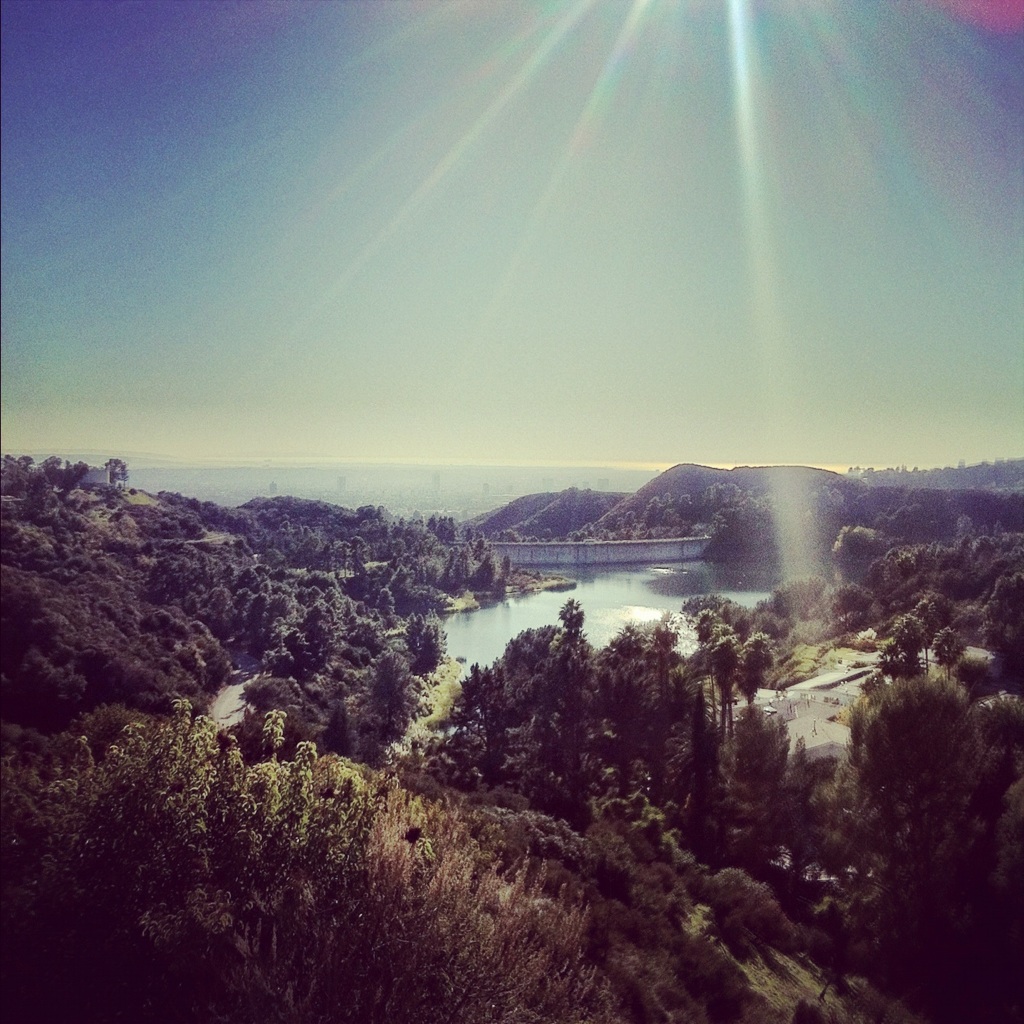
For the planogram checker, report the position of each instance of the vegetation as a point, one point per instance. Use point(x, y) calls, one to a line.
point(740, 510)
point(547, 516)
point(106, 599)
point(605, 835)
point(299, 890)
point(1002, 475)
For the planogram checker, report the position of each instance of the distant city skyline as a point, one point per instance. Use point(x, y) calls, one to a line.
point(326, 463)
point(560, 233)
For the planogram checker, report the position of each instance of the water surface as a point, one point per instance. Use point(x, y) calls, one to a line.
point(611, 598)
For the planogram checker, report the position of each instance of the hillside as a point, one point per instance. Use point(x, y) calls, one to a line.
point(1002, 475)
point(547, 515)
point(121, 596)
point(691, 479)
point(750, 511)
point(582, 835)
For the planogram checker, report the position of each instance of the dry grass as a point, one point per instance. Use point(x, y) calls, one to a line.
point(803, 662)
point(443, 688)
point(784, 981)
point(465, 602)
point(140, 498)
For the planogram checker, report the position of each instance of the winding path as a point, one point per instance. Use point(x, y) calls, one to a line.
point(229, 705)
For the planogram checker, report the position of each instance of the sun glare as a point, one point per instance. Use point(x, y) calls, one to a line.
point(587, 126)
point(459, 151)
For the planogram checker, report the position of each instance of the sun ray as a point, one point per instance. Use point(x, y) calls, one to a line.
point(583, 132)
point(766, 326)
point(751, 157)
point(529, 70)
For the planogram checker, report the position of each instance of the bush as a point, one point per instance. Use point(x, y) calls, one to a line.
point(808, 1013)
point(747, 914)
point(172, 881)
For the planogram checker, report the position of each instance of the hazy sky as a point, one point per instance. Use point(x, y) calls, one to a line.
point(567, 231)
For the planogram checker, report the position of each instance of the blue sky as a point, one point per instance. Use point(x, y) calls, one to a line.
point(567, 231)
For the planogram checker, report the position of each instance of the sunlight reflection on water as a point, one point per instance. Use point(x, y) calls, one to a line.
point(610, 600)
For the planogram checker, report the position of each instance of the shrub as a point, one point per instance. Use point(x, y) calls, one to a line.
point(172, 881)
point(747, 914)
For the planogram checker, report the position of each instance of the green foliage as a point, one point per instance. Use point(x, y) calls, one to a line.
point(1004, 613)
point(856, 547)
point(160, 870)
point(842, 521)
point(920, 793)
point(949, 648)
point(756, 661)
point(901, 653)
point(747, 914)
point(426, 641)
point(69, 645)
point(117, 601)
point(172, 881)
point(391, 701)
point(548, 515)
point(754, 812)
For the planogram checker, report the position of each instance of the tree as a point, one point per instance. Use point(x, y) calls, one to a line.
point(702, 750)
point(626, 707)
point(855, 547)
point(755, 773)
point(1004, 613)
point(73, 475)
point(707, 620)
point(851, 605)
point(117, 472)
point(901, 654)
point(426, 640)
point(927, 613)
point(486, 573)
point(393, 700)
point(571, 665)
point(949, 648)
point(905, 797)
point(481, 719)
point(756, 661)
point(571, 617)
point(726, 654)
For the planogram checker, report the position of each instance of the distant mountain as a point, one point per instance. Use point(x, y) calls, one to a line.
point(750, 510)
point(690, 480)
point(1003, 475)
point(548, 514)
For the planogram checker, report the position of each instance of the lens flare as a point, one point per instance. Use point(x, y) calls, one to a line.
point(584, 131)
point(788, 488)
point(544, 52)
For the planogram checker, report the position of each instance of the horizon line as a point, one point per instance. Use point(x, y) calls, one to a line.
point(307, 461)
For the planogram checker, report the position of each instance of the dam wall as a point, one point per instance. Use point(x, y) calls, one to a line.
point(530, 554)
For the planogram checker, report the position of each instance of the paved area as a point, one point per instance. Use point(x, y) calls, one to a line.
point(229, 705)
point(808, 707)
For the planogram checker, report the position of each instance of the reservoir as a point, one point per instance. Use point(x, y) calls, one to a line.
point(610, 598)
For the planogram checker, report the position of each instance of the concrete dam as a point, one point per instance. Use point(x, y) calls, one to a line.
point(531, 554)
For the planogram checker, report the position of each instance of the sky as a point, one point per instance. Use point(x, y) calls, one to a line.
point(562, 231)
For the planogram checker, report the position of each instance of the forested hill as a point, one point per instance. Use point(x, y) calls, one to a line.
point(570, 835)
point(113, 595)
point(547, 515)
point(741, 509)
point(689, 478)
point(1001, 475)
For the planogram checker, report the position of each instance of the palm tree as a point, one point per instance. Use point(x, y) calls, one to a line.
point(949, 648)
point(725, 662)
point(757, 659)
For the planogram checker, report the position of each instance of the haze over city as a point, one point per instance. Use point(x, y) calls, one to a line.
point(528, 233)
